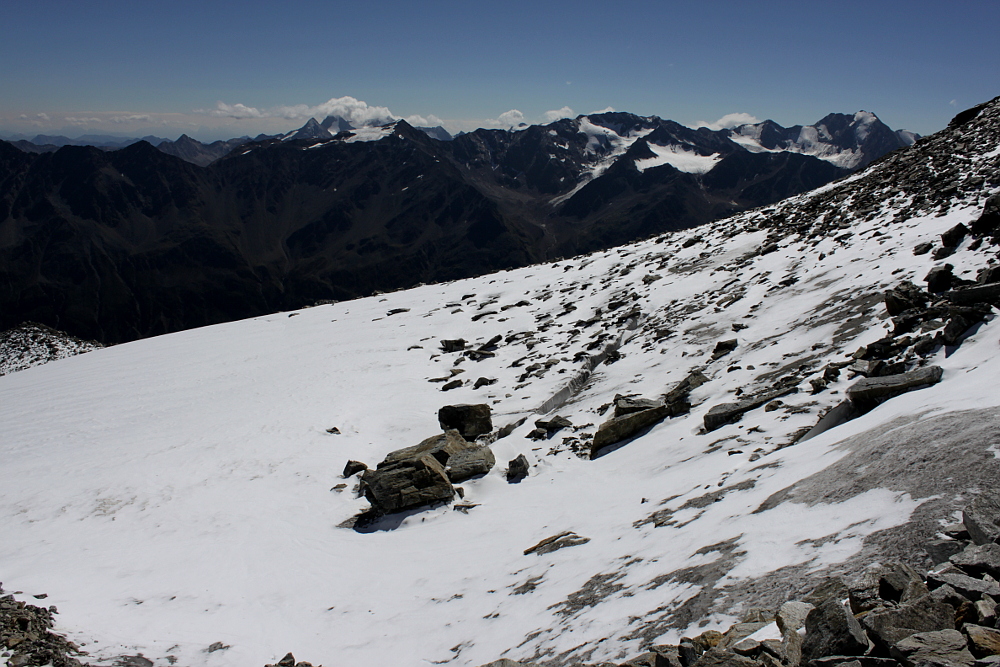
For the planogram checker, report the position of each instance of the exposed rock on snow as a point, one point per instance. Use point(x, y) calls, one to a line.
point(32, 344)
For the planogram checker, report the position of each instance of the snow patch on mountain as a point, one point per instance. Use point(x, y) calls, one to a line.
point(679, 157)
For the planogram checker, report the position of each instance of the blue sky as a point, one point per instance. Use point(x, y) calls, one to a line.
point(220, 69)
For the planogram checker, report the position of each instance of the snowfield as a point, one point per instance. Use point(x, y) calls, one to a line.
point(177, 497)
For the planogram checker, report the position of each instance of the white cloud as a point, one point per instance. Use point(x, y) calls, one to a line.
point(729, 121)
point(424, 121)
point(556, 114)
point(953, 103)
point(75, 120)
point(356, 111)
point(232, 111)
point(511, 118)
point(604, 110)
point(42, 116)
point(131, 118)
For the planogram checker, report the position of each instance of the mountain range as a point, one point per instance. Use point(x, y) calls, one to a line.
point(124, 244)
point(663, 452)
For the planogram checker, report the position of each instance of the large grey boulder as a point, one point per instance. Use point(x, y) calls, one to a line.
point(982, 518)
point(926, 614)
point(406, 484)
point(970, 587)
point(468, 463)
point(717, 657)
point(471, 420)
point(867, 393)
point(943, 648)
point(441, 447)
point(979, 559)
point(832, 630)
point(621, 428)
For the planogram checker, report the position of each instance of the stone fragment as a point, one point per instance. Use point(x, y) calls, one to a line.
point(982, 641)
point(353, 468)
point(504, 662)
point(832, 630)
point(549, 544)
point(510, 428)
point(738, 632)
point(471, 420)
point(922, 248)
point(724, 413)
point(625, 405)
point(724, 347)
point(550, 427)
point(982, 518)
point(942, 648)
point(454, 384)
point(456, 345)
point(969, 296)
point(517, 469)
point(484, 382)
point(867, 393)
point(621, 428)
point(717, 657)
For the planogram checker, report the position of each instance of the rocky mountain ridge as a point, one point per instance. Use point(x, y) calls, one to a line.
point(126, 244)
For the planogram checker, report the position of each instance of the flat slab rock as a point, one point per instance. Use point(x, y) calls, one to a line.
point(943, 648)
point(866, 393)
point(621, 428)
point(724, 413)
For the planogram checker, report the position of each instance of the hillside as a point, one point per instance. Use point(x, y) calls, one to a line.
point(181, 497)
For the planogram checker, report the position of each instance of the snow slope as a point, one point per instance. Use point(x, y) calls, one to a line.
point(179, 494)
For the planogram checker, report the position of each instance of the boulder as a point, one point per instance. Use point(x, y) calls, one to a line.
point(982, 641)
point(943, 648)
point(625, 405)
point(724, 347)
point(791, 616)
point(717, 657)
point(926, 614)
point(440, 446)
point(968, 296)
point(954, 236)
point(982, 518)
point(989, 221)
point(456, 345)
point(471, 420)
point(406, 484)
point(903, 297)
point(869, 392)
point(724, 413)
point(940, 278)
point(468, 463)
point(969, 587)
point(517, 469)
point(979, 559)
point(550, 427)
point(621, 428)
point(832, 630)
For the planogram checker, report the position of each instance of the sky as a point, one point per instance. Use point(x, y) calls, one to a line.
point(218, 69)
